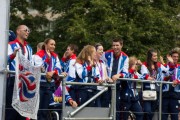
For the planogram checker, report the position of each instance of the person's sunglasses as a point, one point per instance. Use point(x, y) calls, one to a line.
point(27, 30)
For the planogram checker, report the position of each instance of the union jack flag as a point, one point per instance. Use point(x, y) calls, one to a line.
point(27, 86)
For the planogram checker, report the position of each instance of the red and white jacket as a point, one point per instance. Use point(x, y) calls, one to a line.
point(41, 59)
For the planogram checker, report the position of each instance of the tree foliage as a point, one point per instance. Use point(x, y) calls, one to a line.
point(141, 23)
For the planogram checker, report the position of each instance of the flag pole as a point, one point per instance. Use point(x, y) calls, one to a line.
point(4, 30)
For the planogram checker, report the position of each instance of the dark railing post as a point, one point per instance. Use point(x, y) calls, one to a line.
point(160, 101)
point(63, 97)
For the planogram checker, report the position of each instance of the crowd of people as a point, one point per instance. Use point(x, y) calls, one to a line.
point(93, 65)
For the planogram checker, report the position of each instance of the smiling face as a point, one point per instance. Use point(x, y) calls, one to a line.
point(50, 45)
point(116, 46)
point(99, 52)
point(154, 57)
point(175, 57)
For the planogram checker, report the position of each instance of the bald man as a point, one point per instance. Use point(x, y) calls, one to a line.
point(19, 44)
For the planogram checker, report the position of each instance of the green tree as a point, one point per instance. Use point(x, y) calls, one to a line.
point(141, 23)
point(20, 14)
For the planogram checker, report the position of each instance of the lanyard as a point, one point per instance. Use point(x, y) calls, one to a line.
point(100, 69)
point(49, 69)
point(173, 77)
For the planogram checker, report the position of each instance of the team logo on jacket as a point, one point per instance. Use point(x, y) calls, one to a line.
point(27, 86)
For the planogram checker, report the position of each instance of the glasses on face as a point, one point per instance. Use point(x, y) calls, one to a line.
point(27, 30)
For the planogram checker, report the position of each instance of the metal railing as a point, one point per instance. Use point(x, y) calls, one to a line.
point(151, 81)
point(6, 71)
point(112, 107)
point(56, 114)
point(71, 114)
point(113, 98)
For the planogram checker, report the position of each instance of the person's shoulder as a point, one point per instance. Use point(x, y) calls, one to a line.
point(178, 65)
point(124, 54)
point(109, 51)
point(12, 42)
point(73, 57)
point(79, 62)
point(40, 53)
point(144, 63)
point(78, 65)
point(54, 54)
point(159, 64)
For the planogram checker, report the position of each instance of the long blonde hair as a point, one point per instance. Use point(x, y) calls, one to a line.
point(132, 61)
point(85, 53)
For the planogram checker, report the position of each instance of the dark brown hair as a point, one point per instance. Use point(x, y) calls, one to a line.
point(149, 61)
point(46, 41)
point(73, 47)
point(97, 45)
point(118, 40)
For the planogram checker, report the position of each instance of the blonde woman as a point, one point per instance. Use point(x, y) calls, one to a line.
point(86, 72)
point(129, 93)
